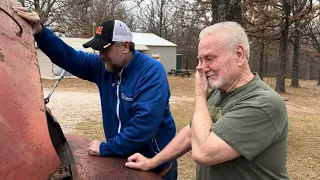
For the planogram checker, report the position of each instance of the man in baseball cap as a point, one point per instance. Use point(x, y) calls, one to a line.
point(113, 39)
point(134, 89)
point(108, 32)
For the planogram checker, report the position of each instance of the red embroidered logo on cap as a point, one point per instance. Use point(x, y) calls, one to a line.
point(99, 29)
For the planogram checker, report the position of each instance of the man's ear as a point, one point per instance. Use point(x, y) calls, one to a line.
point(240, 55)
point(126, 46)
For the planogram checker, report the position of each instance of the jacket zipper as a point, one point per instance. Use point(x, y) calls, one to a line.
point(155, 141)
point(118, 105)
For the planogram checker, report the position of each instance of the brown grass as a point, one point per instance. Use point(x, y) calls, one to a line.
point(304, 122)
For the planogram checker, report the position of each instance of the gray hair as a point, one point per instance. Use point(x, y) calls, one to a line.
point(233, 34)
point(131, 48)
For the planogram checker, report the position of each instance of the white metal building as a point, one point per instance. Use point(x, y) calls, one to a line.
point(148, 43)
point(158, 48)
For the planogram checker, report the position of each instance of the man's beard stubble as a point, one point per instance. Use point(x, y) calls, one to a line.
point(215, 84)
point(115, 65)
point(112, 67)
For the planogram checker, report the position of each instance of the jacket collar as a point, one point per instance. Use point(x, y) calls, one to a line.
point(131, 67)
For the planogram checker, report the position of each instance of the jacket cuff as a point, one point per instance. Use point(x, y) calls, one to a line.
point(43, 36)
point(103, 149)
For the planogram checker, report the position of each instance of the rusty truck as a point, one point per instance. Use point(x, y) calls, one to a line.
point(33, 145)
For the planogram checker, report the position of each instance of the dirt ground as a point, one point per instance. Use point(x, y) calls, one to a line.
point(76, 105)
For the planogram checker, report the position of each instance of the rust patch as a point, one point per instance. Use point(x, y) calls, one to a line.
point(1, 56)
point(99, 168)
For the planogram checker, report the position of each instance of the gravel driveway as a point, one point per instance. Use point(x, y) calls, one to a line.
point(71, 108)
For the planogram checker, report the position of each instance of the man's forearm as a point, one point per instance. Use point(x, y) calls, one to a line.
point(201, 125)
point(178, 146)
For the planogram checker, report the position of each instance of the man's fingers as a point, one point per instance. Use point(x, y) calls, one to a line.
point(138, 161)
point(20, 8)
point(29, 16)
point(92, 142)
point(200, 70)
point(23, 14)
point(133, 165)
point(136, 165)
point(93, 153)
point(199, 64)
point(91, 148)
point(133, 158)
point(94, 148)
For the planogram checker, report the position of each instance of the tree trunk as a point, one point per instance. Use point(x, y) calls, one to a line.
point(282, 62)
point(260, 62)
point(187, 64)
point(280, 82)
point(266, 66)
point(296, 60)
point(308, 66)
point(226, 10)
point(318, 74)
point(187, 60)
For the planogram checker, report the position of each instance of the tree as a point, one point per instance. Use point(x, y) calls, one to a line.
point(283, 52)
point(177, 21)
point(47, 9)
point(76, 18)
point(261, 60)
point(226, 10)
point(279, 17)
point(314, 27)
point(261, 23)
point(156, 17)
point(81, 20)
point(303, 13)
point(296, 57)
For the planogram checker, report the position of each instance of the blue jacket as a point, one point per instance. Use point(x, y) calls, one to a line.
point(135, 107)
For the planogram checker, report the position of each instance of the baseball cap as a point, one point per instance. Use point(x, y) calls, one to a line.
point(107, 32)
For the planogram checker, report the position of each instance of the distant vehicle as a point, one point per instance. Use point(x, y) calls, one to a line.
point(33, 145)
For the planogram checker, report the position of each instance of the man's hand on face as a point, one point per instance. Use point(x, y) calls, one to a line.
point(138, 161)
point(94, 148)
point(31, 17)
point(201, 82)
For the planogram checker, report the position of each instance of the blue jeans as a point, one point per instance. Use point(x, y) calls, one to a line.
point(172, 174)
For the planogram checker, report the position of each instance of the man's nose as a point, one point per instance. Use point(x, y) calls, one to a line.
point(204, 64)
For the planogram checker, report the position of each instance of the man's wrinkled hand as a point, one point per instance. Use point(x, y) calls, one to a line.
point(94, 148)
point(201, 82)
point(30, 16)
point(138, 161)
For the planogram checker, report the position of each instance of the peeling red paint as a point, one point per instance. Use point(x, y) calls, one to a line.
point(26, 150)
point(99, 168)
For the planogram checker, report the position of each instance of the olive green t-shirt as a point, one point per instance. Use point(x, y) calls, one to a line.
point(253, 120)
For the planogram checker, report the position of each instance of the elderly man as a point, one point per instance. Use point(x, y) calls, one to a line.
point(133, 88)
point(240, 131)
